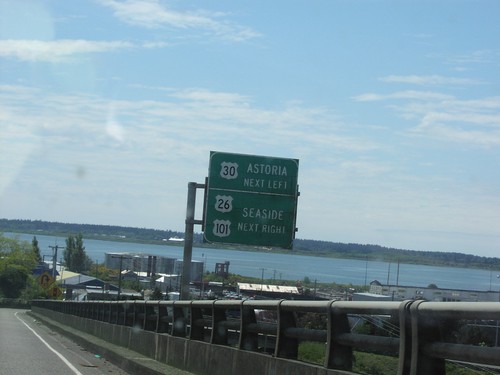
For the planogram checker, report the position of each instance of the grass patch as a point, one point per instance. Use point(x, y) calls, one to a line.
point(363, 363)
point(312, 352)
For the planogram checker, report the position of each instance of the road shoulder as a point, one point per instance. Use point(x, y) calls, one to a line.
point(124, 358)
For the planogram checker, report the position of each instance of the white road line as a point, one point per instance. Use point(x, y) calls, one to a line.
point(68, 363)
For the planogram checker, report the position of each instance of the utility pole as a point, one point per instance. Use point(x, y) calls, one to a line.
point(498, 325)
point(397, 277)
point(366, 270)
point(262, 280)
point(202, 287)
point(54, 259)
point(119, 275)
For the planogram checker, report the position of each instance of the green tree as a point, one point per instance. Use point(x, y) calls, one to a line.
point(13, 280)
point(75, 257)
point(79, 256)
point(17, 261)
point(68, 252)
point(36, 249)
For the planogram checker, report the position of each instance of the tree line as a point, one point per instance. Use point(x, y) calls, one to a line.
point(91, 231)
point(387, 254)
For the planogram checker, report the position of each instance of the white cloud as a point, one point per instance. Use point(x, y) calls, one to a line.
point(153, 14)
point(462, 121)
point(204, 95)
point(409, 94)
point(89, 130)
point(430, 80)
point(474, 57)
point(150, 45)
point(443, 116)
point(455, 133)
point(458, 115)
point(56, 50)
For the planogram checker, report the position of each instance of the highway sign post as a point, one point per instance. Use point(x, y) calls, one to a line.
point(251, 200)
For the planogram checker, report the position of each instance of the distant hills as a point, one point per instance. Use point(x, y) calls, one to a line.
point(100, 232)
point(302, 246)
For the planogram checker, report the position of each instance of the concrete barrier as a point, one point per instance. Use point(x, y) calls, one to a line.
point(195, 357)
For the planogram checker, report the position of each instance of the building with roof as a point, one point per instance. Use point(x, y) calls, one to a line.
point(276, 291)
point(77, 285)
point(197, 269)
point(139, 262)
point(430, 293)
point(164, 282)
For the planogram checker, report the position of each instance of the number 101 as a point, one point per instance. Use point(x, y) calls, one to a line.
point(222, 228)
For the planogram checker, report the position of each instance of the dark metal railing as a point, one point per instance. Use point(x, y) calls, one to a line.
point(422, 346)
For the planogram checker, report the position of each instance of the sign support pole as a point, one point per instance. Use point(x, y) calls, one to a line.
point(188, 239)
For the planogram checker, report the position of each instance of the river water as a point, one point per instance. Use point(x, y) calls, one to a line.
point(293, 267)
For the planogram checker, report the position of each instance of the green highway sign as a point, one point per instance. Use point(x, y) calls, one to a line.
point(250, 219)
point(251, 200)
point(251, 173)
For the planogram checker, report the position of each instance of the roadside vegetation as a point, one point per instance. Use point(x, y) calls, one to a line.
point(21, 265)
point(17, 262)
point(374, 364)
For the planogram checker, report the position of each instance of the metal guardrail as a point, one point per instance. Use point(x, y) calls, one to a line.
point(421, 348)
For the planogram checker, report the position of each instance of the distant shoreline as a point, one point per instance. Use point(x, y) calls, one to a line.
point(301, 246)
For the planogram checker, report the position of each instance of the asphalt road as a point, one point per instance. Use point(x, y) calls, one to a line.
point(29, 347)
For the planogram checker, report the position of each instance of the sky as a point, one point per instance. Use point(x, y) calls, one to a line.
point(109, 108)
